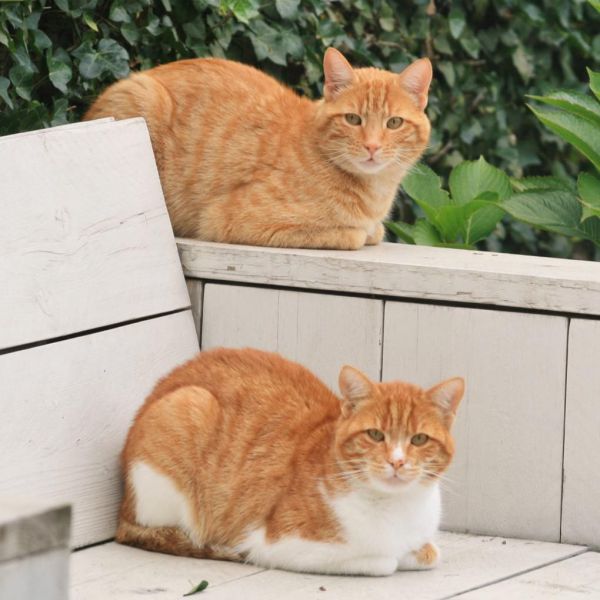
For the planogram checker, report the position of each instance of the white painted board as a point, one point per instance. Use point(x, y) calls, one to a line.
point(506, 477)
point(122, 573)
point(85, 238)
point(405, 271)
point(577, 578)
point(321, 331)
point(67, 406)
point(581, 500)
point(196, 290)
point(116, 572)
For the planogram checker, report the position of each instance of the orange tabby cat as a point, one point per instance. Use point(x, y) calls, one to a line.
point(243, 455)
point(243, 159)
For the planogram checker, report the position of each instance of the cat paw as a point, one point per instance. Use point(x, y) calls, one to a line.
point(377, 236)
point(426, 557)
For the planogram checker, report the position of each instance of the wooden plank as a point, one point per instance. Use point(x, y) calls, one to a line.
point(506, 477)
point(121, 573)
point(44, 575)
point(467, 562)
point(86, 241)
point(323, 332)
point(196, 290)
point(575, 579)
point(581, 500)
point(66, 408)
point(404, 271)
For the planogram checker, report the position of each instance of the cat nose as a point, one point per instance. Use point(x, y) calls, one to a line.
point(372, 147)
point(396, 463)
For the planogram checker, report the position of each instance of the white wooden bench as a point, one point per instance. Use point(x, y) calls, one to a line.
point(94, 308)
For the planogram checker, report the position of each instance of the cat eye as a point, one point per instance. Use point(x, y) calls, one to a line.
point(419, 439)
point(375, 435)
point(353, 119)
point(395, 122)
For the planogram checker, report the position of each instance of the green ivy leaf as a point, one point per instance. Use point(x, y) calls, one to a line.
point(594, 82)
point(456, 22)
point(109, 57)
point(287, 8)
point(588, 188)
point(523, 63)
point(90, 22)
point(4, 85)
point(59, 70)
point(198, 588)
point(22, 78)
point(244, 10)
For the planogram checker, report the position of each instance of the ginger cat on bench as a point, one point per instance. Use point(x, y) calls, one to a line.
point(245, 160)
point(243, 455)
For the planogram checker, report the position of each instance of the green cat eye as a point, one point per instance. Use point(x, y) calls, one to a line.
point(375, 435)
point(395, 122)
point(353, 119)
point(419, 439)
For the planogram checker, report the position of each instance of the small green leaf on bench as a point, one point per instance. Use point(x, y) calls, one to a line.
point(199, 588)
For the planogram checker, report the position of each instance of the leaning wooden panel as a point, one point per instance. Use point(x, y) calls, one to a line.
point(66, 408)
point(581, 500)
point(321, 331)
point(506, 478)
point(85, 238)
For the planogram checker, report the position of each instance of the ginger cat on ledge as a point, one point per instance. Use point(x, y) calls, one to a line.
point(243, 455)
point(244, 159)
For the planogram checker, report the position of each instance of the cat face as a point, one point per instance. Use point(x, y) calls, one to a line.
point(393, 435)
point(373, 119)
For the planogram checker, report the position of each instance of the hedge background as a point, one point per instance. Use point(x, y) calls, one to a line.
point(55, 57)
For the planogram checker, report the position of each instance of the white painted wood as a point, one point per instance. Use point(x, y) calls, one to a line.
point(43, 575)
point(66, 408)
point(577, 578)
point(122, 573)
point(405, 271)
point(38, 132)
point(116, 572)
point(196, 290)
point(581, 500)
point(506, 477)
point(323, 332)
point(85, 238)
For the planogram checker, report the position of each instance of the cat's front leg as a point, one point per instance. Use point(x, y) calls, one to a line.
point(426, 557)
point(376, 236)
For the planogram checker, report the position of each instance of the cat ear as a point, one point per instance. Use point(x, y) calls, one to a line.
point(447, 395)
point(416, 79)
point(355, 387)
point(338, 73)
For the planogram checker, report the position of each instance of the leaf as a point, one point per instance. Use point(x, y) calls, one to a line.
point(482, 218)
point(470, 179)
point(22, 78)
point(199, 588)
point(404, 231)
point(4, 84)
point(423, 185)
point(425, 234)
point(456, 22)
point(595, 4)
point(588, 188)
point(244, 10)
point(90, 22)
point(574, 103)
point(523, 63)
point(542, 183)
point(59, 71)
point(109, 56)
point(574, 129)
point(287, 8)
point(594, 82)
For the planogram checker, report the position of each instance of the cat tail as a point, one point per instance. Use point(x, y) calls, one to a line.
point(170, 540)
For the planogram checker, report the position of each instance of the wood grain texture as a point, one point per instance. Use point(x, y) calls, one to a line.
point(196, 291)
point(66, 408)
point(405, 271)
point(116, 572)
point(121, 573)
point(323, 332)
point(577, 578)
point(581, 500)
point(506, 477)
point(85, 237)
